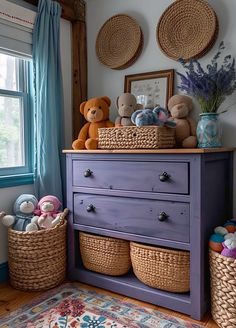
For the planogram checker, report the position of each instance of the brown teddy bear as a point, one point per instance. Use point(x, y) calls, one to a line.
point(180, 107)
point(126, 104)
point(96, 112)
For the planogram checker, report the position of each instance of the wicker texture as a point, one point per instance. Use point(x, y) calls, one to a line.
point(119, 42)
point(132, 137)
point(223, 290)
point(37, 259)
point(104, 254)
point(187, 29)
point(161, 268)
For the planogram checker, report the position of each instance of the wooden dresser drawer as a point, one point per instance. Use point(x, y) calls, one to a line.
point(161, 177)
point(137, 216)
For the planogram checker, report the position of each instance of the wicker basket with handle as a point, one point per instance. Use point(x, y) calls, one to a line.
point(133, 137)
point(161, 268)
point(104, 254)
point(223, 290)
point(37, 259)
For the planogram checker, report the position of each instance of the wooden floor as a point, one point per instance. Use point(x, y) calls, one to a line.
point(11, 299)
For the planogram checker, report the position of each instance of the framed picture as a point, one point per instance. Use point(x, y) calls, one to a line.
point(151, 89)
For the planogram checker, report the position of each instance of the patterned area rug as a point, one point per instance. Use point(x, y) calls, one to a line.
point(70, 306)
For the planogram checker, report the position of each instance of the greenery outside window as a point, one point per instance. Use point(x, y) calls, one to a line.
point(15, 121)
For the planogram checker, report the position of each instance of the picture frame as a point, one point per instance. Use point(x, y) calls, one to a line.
point(152, 88)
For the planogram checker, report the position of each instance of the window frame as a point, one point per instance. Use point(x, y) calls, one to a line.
point(21, 175)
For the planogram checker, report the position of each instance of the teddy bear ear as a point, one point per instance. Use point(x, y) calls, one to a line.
point(107, 100)
point(81, 108)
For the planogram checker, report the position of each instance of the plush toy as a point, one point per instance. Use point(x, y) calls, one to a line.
point(96, 112)
point(158, 116)
point(49, 212)
point(180, 107)
point(126, 105)
point(24, 218)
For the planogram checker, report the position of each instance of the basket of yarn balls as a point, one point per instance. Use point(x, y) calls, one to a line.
point(222, 246)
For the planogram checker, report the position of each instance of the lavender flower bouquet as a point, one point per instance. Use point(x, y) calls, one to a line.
point(211, 86)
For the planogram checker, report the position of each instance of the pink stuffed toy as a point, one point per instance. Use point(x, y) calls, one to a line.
point(49, 212)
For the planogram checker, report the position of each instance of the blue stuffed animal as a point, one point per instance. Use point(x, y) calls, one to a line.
point(24, 218)
point(158, 116)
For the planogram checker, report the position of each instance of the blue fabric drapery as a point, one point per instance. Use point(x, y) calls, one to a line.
point(48, 99)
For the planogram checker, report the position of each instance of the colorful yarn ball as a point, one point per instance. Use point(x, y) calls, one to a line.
point(215, 242)
point(230, 226)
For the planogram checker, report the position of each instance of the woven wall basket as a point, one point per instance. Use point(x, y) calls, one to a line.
point(133, 137)
point(223, 290)
point(104, 254)
point(187, 29)
point(161, 268)
point(37, 259)
point(119, 42)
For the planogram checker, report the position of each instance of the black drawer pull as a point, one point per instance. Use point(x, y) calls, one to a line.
point(162, 216)
point(87, 173)
point(164, 177)
point(90, 208)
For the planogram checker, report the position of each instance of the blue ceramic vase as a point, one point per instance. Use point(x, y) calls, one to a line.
point(209, 131)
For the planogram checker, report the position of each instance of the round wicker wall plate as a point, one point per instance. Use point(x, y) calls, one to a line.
point(187, 29)
point(119, 42)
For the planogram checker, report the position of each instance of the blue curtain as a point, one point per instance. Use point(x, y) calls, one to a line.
point(48, 100)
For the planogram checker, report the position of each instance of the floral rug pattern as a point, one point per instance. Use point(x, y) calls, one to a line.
point(70, 306)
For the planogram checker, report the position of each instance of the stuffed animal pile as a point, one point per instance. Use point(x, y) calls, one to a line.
point(31, 215)
point(176, 115)
point(223, 240)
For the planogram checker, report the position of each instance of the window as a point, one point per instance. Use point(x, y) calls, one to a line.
point(15, 121)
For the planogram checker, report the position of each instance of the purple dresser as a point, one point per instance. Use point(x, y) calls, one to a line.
point(169, 198)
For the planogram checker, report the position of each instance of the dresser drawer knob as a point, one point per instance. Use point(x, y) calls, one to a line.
point(90, 208)
point(164, 177)
point(87, 173)
point(162, 216)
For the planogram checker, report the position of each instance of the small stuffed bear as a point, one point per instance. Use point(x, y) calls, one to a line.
point(180, 107)
point(158, 116)
point(126, 105)
point(24, 218)
point(49, 212)
point(96, 112)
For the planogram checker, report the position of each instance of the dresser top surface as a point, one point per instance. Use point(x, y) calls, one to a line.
point(152, 151)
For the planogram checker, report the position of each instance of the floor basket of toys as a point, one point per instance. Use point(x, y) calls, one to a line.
point(223, 275)
point(36, 243)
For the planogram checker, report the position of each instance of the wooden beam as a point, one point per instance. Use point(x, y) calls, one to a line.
point(72, 10)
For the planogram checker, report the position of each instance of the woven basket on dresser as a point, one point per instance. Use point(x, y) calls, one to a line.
point(161, 268)
point(37, 259)
point(133, 137)
point(104, 254)
point(223, 290)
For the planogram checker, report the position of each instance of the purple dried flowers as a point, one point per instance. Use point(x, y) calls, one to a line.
point(210, 86)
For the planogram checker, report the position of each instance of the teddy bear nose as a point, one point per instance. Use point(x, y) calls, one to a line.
point(93, 111)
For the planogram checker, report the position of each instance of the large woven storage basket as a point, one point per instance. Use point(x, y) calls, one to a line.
point(223, 290)
point(104, 254)
point(37, 259)
point(133, 137)
point(161, 268)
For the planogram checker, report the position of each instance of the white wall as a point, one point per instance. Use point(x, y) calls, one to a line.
point(8, 195)
point(104, 81)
